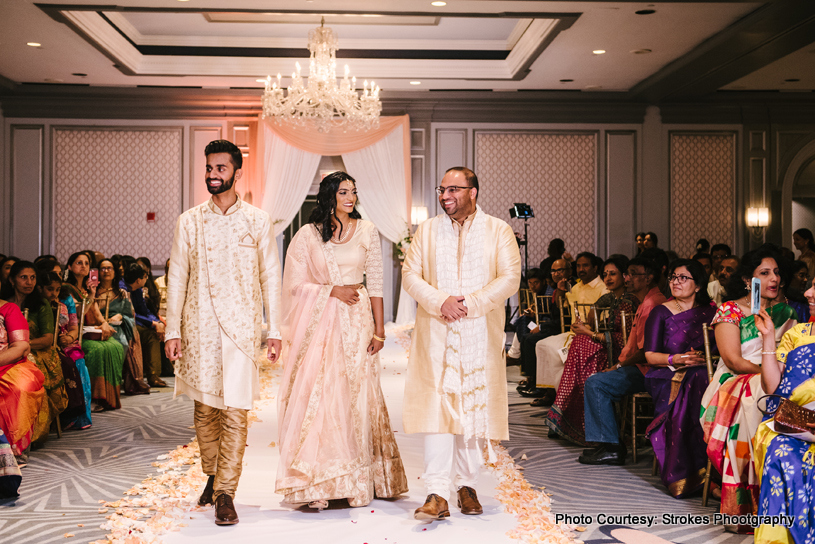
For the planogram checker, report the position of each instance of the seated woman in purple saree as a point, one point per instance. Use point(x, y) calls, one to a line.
point(674, 346)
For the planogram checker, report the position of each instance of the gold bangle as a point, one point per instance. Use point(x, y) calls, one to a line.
point(381, 339)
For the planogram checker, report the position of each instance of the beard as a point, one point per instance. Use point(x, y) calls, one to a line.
point(224, 187)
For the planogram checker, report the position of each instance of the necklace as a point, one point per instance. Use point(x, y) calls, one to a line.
point(348, 230)
point(679, 306)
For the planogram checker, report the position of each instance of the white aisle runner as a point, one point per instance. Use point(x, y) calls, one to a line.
point(263, 519)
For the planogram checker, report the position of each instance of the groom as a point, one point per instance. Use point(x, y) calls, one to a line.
point(223, 271)
point(460, 267)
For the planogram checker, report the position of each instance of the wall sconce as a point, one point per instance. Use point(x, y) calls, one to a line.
point(418, 215)
point(758, 219)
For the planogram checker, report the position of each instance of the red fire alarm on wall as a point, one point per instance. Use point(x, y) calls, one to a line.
point(151, 217)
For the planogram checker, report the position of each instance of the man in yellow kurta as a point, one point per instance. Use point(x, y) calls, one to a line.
point(224, 270)
point(461, 267)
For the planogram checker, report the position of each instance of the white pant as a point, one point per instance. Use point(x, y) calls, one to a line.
point(515, 348)
point(445, 452)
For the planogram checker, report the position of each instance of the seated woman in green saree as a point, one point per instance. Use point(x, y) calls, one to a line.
point(114, 303)
point(105, 357)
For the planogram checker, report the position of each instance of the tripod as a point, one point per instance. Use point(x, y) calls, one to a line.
point(525, 242)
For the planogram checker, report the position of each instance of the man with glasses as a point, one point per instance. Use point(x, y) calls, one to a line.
point(561, 276)
point(461, 267)
point(605, 388)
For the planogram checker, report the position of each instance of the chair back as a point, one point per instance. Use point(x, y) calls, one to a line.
point(81, 320)
point(587, 313)
point(625, 317)
point(706, 330)
point(55, 307)
point(543, 306)
point(106, 300)
point(565, 314)
point(525, 300)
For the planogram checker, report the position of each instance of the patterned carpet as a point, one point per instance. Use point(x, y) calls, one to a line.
point(66, 479)
point(582, 489)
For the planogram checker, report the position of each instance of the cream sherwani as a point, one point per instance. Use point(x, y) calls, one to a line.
point(224, 270)
point(424, 408)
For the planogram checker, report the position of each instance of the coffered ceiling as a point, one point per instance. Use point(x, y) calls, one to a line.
point(411, 45)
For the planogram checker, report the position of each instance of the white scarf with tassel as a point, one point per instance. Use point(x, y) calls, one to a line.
point(464, 380)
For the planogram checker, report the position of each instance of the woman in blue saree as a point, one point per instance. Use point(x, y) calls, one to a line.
point(786, 464)
point(678, 377)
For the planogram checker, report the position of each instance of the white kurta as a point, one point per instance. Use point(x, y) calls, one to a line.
point(223, 271)
point(424, 409)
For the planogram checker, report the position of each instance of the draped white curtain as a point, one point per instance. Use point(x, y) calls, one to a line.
point(287, 176)
point(379, 170)
point(380, 173)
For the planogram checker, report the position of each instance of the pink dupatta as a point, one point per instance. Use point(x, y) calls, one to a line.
point(334, 431)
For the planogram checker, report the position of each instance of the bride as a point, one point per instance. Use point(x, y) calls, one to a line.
point(334, 431)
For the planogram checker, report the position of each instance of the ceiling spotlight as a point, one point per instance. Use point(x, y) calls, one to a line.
point(438, 4)
point(566, 80)
point(261, 80)
point(641, 51)
point(415, 82)
point(645, 11)
point(34, 44)
point(79, 74)
point(599, 51)
point(53, 80)
point(792, 80)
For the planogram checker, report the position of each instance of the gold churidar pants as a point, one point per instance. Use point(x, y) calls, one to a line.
point(222, 440)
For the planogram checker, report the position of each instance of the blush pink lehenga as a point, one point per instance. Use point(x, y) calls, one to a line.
point(334, 431)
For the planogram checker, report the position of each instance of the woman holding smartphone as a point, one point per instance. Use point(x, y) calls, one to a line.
point(730, 417)
point(104, 357)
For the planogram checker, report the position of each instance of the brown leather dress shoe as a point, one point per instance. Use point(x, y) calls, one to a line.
point(206, 495)
point(225, 513)
point(434, 508)
point(468, 502)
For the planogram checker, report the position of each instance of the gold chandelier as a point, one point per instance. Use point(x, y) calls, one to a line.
point(322, 100)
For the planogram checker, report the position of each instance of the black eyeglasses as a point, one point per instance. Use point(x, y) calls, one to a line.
point(452, 189)
point(681, 280)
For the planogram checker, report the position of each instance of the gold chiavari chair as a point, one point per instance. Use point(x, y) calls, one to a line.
point(543, 306)
point(526, 301)
point(55, 308)
point(635, 406)
point(81, 320)
point(565, 314)
point(706, 330)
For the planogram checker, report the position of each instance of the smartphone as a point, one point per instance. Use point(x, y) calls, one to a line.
point(755, 296)
point(93, 276)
